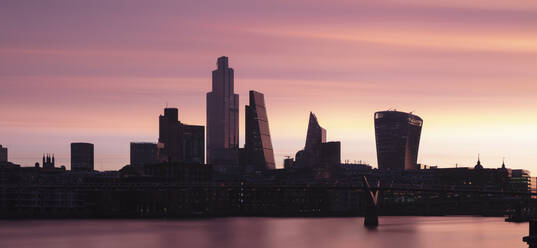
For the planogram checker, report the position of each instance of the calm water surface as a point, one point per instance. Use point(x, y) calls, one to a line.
point(416, 232)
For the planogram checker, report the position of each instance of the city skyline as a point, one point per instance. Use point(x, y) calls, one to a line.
point(465, 68)
point(223, 63)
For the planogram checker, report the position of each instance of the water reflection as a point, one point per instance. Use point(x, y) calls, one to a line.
point(415, 232)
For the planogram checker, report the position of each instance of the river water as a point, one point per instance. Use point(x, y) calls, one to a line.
point(415, 232)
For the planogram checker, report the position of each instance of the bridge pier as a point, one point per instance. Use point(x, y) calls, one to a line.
point(531, 239)
point(371, 217)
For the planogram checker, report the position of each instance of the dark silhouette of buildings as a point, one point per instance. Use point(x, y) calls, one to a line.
point(317, 152)
point(82, 157)
point(398, 137)
point(478, 165)
point(330, 153)
point(143, 153)
point(179, 142)
point(170, 179)
point(170, 139)
point(182, 189)
point(316, 134)
point(48, 161)
point(194, 144)
point(3, 154)
point(222, 117)
point(288, 163)
point(522, 181)
point(184, 173)
point(258, 145)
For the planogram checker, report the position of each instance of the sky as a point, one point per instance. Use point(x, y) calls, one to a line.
point(102, 71)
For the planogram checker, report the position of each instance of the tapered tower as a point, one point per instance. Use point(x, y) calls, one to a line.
point(258, 144)
point(222, 117)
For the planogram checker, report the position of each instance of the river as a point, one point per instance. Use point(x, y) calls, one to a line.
point(415, 232)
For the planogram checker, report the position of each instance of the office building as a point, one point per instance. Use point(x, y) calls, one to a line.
point(521, 181)
point(397, 136)
point(3, 154)
point(170, 139)
point(330, 153)
point(143, 153)
point(316, 134)
point(222, 117)
point(258, 145)
point(180, 142)
point(82, 157)
point(310, 156)
point(194, 144)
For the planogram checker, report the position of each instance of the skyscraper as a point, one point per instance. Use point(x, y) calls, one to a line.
point(315, 137)
point(222, 117)
point(82, 157)
point(3, 154)
point(316, 134)
point(258, 145)
point(179, 142)
point(398, 138)
point(170, 140)
point(143, 153)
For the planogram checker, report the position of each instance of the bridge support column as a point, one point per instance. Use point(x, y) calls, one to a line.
point(532, 238)
point(371, 217)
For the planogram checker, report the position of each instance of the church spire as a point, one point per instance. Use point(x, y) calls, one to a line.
point(478, 165)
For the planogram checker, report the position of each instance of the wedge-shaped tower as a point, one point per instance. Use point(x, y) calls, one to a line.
point(258, 145)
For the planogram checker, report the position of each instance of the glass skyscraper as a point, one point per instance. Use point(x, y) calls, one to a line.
point(82, 157)
point(315, 137)
point(397, 136)
point(222, 117)
point(258, 145)
point(316, 134)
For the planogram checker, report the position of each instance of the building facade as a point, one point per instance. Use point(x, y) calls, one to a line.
point(222, 117)
point(258, 144)
point(3, 154)
point(143, 153)
point(82, 155)
point(180, 142)
point(194, 144)
point(397, 137)
point(330, 153)
point(310, 156)
point(316, 134)
point(170, 139)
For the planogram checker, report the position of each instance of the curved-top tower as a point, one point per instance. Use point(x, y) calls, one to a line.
point(397, 136)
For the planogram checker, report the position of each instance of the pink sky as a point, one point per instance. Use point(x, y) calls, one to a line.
point(102, 71)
